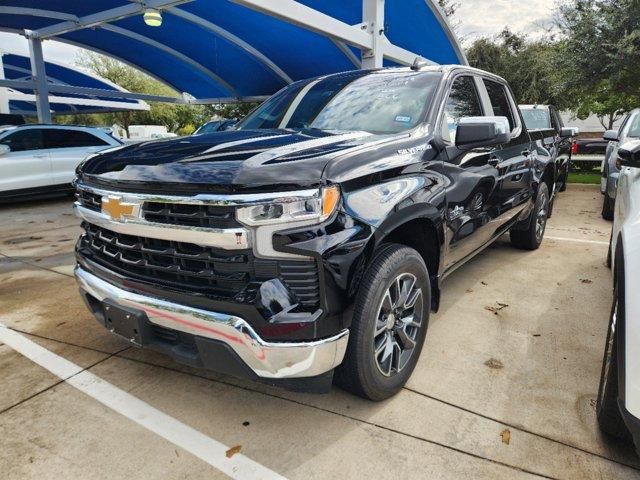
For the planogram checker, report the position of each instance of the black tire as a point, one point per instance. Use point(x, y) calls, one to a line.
point(609, 251)
point(531, 237)
point(607, 207)
point(564, 180)
point(608, 414)
point(361, 372)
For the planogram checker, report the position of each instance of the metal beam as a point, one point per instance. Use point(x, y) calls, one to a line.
point(105, 16)
point(353, 58)
point(230, 37)
point(172, 52)
point(368, 36)
point(37, 12)
point(40, 84)
point(91, 92)
point(4, 97)
point(295, 13)
point(98, 92)
point(373, 19)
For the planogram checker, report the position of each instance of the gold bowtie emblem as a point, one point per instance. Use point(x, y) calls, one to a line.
point(116, 209)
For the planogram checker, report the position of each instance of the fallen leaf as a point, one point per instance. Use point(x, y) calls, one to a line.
point(494, 364)
point(536, 334)
point(496, 310)
point(469, 290)
point(233, 450)
point(484, 283)
point(586, 280)
point(506, 436)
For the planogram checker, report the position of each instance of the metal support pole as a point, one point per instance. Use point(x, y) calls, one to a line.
point(373, 20)
point(39, 75)
point(4, 92)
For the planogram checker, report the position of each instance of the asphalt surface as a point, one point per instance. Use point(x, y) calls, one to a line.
point(505, 387)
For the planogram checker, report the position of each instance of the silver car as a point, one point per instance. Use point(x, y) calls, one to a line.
point(629, 130)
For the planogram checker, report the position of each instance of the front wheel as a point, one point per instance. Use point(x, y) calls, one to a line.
point(389, 324)
point(607, 207)
point(531, 237)
point(607, 411)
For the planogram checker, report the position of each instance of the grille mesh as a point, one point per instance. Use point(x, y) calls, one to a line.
point(208, 216)
point(194, 268)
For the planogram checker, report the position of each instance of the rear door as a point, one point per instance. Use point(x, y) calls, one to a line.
point(67, 148)
point(27, 165)
point(514, 160)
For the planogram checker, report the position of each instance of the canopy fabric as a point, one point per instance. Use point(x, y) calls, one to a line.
point(218, 48)
point(17, 67)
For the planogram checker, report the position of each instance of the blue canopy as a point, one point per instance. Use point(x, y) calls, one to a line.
point(221, 48)
point(22, 101)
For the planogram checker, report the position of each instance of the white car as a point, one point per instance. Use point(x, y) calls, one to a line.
point(40, 160)
point(618, 403)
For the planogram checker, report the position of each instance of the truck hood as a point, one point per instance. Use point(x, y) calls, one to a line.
point(225, 161)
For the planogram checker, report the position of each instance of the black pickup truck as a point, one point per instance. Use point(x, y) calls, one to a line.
point(313, 238)
point(545, 125)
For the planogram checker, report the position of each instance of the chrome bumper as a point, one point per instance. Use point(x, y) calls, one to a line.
point(273, 360)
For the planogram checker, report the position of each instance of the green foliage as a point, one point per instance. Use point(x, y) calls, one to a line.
point(526, 65)
point(600, 55)
point(182, 119)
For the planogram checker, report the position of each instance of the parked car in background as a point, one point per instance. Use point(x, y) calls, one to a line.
point(588, 153)
point(618, 402)
point(215, 126)
point(40, 160)
point(629, 130)
point(315, 236)
point(546, 126)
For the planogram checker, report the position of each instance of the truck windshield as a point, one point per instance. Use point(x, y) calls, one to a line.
point(388, 102)
point(536, 118)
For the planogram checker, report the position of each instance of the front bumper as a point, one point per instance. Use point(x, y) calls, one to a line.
point(265, 360)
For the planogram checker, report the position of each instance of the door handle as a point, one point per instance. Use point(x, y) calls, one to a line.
point(494, 161)
point(525, 153)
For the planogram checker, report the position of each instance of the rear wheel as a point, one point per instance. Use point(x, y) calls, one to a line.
point(389, 324)
point(531, 238)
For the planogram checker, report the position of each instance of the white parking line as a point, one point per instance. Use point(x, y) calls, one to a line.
point(176, 432)
point(577, 240)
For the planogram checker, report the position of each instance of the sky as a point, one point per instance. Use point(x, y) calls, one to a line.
point(475, 18)
point(478, 18)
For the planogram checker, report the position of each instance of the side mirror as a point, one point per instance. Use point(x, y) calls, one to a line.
point(629, 154)
point(611, 135)
point(4, 149)
point(475, 132)
point(567, 132)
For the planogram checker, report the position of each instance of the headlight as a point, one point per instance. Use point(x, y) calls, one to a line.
point(304, 210)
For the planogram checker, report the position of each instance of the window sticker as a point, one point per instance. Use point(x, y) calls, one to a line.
point(403, 119)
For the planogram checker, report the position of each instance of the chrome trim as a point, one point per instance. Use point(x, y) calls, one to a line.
point(227, 239)
point(266, 359)
point(241, 200)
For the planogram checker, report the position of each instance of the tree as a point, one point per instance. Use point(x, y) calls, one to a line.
point(183, 119)
point(599, 56)
point(526, 65)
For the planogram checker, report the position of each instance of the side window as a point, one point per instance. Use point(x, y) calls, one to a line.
point(61, 138)
point(23, 140)
point(500, 101)
point(634, 127)
point(463, 101)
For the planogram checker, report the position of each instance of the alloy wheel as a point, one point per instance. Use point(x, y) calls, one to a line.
point(541, 219)
point(398, 323)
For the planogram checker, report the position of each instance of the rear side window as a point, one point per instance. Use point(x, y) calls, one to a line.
point(28, 139)
point(536, 118)
point(61, 138)
point(463, 101)
point(500, 101)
